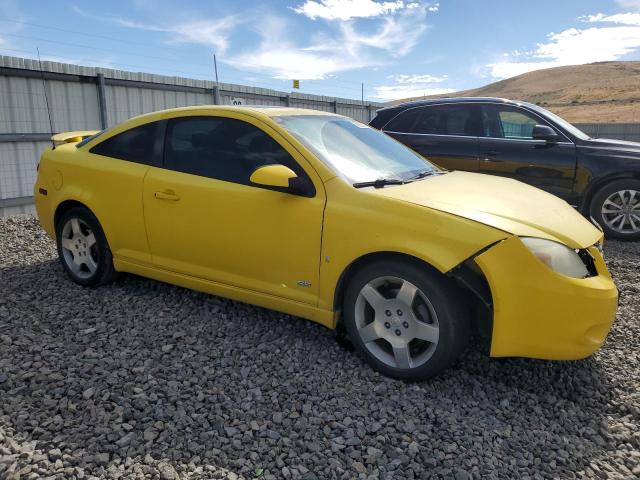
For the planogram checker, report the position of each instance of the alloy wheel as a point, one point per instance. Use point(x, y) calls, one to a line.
point(79, 248)
point(621, 211)
point(396, 322)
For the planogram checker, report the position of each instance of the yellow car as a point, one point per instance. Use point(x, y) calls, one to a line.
point(319, 216)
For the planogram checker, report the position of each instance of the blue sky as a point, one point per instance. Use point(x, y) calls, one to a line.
point(396, 48)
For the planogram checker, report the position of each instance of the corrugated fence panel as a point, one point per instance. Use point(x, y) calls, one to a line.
point(619, 131)
point(126, 102)
point(18, 161)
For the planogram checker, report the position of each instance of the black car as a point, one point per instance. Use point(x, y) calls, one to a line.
point(520, 140)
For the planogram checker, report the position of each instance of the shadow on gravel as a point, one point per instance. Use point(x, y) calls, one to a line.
point(140, 368)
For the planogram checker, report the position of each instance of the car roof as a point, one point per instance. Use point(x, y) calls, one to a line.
point(450, 100)
point(259, 109)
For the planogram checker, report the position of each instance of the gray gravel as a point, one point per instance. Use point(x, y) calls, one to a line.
point(144, 380)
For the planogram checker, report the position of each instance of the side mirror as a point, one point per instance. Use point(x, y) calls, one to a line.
point(282, 178)
point(543, 132)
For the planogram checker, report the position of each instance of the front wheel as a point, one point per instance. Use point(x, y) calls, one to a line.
point(407, 321)
point(616, 207)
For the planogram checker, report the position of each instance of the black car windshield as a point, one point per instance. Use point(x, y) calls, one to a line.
point(356, 151)
point(573, 130)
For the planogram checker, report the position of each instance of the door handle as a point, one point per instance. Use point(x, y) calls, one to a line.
point(491, 153)
point(490, 156)
point(171, 197)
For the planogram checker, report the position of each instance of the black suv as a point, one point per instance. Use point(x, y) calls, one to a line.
point(523, 141)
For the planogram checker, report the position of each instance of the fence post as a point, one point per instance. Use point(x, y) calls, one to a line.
point(102, 100)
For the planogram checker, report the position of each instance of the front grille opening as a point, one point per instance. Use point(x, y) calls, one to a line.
point(589, 262)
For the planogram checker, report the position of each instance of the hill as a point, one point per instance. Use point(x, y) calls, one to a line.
point(604, 92)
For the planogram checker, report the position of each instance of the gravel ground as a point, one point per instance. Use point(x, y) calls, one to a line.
point(145, 380)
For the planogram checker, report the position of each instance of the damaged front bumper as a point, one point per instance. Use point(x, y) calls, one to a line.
point(539, 313)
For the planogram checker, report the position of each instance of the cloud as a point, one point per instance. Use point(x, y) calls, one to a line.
point(348, 9)
point(211, 33)
point(422, 79)
point(397, 92)
point(576, 46)
point(620, 18)
point(343, 47)
point(414, 85)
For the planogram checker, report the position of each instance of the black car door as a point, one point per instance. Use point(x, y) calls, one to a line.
point(507, 148)
point(446, 135)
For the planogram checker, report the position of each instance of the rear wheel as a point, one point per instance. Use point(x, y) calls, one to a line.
point(83, 249)
point(616, 207)
point(407, 321)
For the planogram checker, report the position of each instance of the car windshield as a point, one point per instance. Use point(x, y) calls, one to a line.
point(573, 130)
point(356, 151)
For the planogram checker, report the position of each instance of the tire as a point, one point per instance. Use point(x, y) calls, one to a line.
point(83, 249)
point(437, 314)
point(619, 196)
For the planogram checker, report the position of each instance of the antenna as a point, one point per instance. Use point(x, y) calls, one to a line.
point(46, 99)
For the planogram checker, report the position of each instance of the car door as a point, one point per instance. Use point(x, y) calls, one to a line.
point(204, 218)
point(446, 135)
point(507, 148)
point(119, 165)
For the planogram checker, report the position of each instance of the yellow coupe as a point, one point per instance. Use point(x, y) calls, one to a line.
point(319, 216)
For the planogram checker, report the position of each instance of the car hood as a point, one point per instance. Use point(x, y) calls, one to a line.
point(616, 145)
point(502, 203)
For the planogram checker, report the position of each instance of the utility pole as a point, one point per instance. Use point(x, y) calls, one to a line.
point(362, 99)
point(216, 89)
point(215, 66)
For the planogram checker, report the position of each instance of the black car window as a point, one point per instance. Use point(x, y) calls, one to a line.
point(134, 145)
point(460, 120)
point(403, 122)
point(221, 148)
point(508, 122)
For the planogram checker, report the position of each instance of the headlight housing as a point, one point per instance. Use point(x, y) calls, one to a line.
point(557, 257)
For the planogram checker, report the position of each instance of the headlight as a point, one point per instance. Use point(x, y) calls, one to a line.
point(557, 257)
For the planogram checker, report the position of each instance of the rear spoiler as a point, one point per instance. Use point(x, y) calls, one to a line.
point(72, 137)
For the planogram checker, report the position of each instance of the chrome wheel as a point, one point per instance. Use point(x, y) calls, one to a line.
point(79, 248)
point(396, 322)
point(621, 211)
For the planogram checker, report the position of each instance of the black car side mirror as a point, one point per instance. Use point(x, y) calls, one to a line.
point(543, 132)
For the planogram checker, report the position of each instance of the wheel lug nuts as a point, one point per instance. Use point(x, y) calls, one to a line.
point(398, 332)
point(399, 312)
point(405, 324)
point(388, 313)
point(387, 325)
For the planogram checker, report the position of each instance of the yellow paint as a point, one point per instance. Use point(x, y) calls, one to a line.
point(272, 176)
point(72, 137)
point(267, 247)
point(541, 314)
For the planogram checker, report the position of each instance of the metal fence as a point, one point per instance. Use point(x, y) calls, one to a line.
point(88, 98)
point(619, 131)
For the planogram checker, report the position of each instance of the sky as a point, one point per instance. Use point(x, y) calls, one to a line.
point(391, 49)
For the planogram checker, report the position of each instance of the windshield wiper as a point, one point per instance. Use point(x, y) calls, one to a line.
point(380, 183)
point(425, 173)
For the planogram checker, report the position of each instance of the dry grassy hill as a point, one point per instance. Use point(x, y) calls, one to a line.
point(606, 92)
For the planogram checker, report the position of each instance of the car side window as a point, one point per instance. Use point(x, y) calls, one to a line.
point(134, 145)
point(222, 148)
point(508, 122)
point(403, 122)
point(458, 120)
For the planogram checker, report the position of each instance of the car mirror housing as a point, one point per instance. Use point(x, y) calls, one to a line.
point(544, 132)
point(281, 178)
